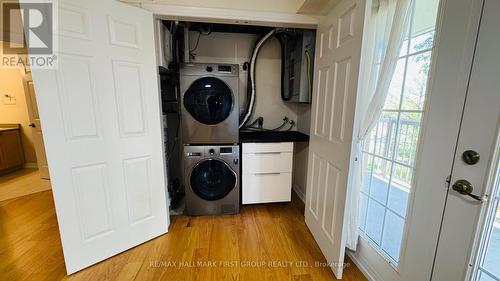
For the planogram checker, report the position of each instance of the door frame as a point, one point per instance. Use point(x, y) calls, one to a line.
point(446, 89)
point(44, 170)
point(482, 226)
point(230, 16)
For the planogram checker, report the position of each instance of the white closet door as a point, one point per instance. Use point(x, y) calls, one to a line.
point(338, 52)
point(100, 115)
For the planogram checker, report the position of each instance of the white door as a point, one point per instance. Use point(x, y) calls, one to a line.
point(100, 115)
point(36, 128)
point(463, 231)
point(336, 72)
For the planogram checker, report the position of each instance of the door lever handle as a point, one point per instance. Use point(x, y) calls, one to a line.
point(464, 187)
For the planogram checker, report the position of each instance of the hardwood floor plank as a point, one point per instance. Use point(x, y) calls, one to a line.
point(263, 242)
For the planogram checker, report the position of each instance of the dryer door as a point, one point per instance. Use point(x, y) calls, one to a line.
point(212, 179)
point(209, 100)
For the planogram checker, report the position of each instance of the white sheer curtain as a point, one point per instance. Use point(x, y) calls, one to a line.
point(387, 29)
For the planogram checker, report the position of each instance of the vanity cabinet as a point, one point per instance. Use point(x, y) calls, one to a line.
point(11, 150)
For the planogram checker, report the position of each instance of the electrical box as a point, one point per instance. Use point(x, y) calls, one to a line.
point(298, 66)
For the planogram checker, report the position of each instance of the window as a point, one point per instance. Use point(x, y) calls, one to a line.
point(489, 255)
point(390, 151)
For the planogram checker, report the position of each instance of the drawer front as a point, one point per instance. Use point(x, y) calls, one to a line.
point(272, 162)
point(266, 188)
point(267, 147)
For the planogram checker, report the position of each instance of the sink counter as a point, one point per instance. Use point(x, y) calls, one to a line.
point(272, 136)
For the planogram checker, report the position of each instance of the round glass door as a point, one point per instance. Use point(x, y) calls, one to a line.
point(209, 100)
point(212, 179)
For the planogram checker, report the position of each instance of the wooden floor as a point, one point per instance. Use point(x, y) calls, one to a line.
point(263, 242)
point(21, 183)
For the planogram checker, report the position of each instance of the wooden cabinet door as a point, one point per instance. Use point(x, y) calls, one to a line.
point(12, 154)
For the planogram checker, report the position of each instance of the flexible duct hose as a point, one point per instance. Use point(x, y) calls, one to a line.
point(256, 50)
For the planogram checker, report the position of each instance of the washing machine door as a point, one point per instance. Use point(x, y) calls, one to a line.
point(209, 100)
point(212, 179)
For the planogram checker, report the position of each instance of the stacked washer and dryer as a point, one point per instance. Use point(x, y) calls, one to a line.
point(210, 120)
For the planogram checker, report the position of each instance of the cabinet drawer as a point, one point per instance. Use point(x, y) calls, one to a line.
point(267, 188)
point(267, 147)
point(272, 162)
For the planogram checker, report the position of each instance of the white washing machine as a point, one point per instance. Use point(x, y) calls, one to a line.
point(210, 106)
point(212, 176)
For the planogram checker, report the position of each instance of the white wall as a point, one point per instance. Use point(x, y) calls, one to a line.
point(236, 48)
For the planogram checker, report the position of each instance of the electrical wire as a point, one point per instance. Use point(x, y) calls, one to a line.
point(255, 122)
point(176, 134)
point(196, 45)
point(309, 79)
point(253, 128)
point(198, 40)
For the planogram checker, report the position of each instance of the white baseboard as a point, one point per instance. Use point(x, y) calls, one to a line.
point(362, 266)
point(30, 165)
point(299, 193)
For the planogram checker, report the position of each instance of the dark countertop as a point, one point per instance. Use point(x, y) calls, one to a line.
point(272, 136)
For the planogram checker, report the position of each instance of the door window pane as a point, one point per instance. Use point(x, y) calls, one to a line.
point(375, 220)
point(367, 173)
point(362, 212)
point(380, 179)
point(394, 95)
point(385, 134)
point(398, 199)
point(408, 133)
point(492, 259)
point(393, 233)
point(416, 81)
point(402, 176)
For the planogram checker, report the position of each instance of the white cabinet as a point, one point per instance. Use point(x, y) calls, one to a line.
point(267, 172)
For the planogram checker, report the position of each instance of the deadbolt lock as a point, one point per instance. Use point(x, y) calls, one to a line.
point(470, 157)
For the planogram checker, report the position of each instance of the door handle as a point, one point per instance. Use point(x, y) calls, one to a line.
point(32, 125)
point(464, 187)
